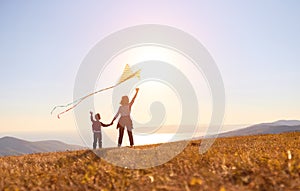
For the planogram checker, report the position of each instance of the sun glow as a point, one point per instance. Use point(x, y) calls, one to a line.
point(139, 54)
point(152, 90)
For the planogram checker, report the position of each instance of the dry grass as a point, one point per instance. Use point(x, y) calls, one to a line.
point(265, 162)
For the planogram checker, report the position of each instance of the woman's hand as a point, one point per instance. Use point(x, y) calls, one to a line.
point(113, 120)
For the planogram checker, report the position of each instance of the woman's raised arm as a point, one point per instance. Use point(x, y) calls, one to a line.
point(136, 92)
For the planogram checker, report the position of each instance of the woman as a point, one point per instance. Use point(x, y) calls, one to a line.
point(125, 120)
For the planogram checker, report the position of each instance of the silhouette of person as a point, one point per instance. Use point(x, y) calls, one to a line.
point(125, 120)
point(96, 126)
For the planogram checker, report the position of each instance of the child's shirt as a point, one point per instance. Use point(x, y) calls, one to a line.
point(97, 126)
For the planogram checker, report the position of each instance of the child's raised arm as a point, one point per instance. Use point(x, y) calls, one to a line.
point(92, 119)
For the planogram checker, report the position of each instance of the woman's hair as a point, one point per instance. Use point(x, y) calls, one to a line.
point(124, 100)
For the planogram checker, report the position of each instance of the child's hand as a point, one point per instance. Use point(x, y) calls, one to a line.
point(91, 113)
point(137, 89)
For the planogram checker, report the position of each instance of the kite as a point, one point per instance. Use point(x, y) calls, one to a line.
point(127, 74)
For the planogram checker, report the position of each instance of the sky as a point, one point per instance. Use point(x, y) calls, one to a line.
point(255, 45)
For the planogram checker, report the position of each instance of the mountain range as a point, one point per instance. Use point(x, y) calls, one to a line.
point(276, 127)
point(14, 146)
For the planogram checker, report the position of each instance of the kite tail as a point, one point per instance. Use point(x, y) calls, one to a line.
point(63, 106)
point(58, 116)
point(78, 101)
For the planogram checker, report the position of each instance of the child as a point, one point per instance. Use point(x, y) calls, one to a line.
point(97, 129)
point(125, 120)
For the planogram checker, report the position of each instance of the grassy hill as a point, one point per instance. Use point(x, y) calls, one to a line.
point(262, 162)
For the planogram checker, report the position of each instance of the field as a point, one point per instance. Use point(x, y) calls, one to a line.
point(264, 162)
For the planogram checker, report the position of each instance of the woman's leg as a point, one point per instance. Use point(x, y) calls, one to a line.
point(130, 137)
point(121, 133)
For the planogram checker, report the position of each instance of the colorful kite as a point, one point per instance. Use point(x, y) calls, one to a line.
point(127, 74)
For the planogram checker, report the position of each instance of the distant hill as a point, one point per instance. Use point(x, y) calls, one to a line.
point(276, 127)
point(283, 123)
point(15, 146)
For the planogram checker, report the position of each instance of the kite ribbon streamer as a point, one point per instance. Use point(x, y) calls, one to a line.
point(127, 74)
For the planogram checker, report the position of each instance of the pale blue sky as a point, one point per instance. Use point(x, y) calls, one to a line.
point(256, 45)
